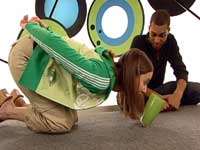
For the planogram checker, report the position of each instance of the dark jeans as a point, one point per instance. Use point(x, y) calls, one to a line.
point(191, 94)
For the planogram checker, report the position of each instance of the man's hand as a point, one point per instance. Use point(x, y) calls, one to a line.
point(174, 100)
point(148, 93)
point(166, 106)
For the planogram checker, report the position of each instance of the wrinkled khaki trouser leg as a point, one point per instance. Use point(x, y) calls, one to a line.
point(43, 115)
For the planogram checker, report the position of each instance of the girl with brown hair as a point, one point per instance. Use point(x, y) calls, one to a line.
point(60, 76)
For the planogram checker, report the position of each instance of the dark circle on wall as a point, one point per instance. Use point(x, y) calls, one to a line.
point(171, 6)
point(92, 27)
point(54, 25)
point(39, 8)
point(52, 7)
point(119, 45)
point(98, 43)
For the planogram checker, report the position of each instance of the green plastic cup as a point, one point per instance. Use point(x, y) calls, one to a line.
point(152, 108)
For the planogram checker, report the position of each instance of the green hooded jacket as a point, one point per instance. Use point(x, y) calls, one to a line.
point(66, 71)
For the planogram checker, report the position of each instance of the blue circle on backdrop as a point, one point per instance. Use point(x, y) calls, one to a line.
point(129, 12)
point(70, 13)
point(63, 11)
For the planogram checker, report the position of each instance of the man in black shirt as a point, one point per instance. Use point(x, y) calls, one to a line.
point(161, 47)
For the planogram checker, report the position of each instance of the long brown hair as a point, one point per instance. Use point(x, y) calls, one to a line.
point(129, 68)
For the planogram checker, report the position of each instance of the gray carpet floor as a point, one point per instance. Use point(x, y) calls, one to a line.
point(108, 129)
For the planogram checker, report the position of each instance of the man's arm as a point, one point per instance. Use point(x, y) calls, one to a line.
point(175, 100)
point(181, 85)
point(176, 61)
point(180, 72)
point(172, 100)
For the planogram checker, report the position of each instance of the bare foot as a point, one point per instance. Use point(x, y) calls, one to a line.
point(6, 109)
point(4, 95)
point(19, 101)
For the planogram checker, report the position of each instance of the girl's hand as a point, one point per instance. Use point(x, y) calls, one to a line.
point(25, 20)
point(37, 19)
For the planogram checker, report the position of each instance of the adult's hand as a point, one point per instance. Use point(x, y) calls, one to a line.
point(166, 106)
point(174, 100)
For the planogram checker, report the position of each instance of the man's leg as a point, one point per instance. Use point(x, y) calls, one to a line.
point(191, 94)
point(167, 88)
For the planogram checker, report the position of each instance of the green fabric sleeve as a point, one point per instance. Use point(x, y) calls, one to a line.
point(92, 73)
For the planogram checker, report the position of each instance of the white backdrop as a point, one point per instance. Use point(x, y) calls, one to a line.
point(185, 27)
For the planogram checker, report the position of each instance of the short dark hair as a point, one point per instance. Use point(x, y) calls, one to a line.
point(160, 17)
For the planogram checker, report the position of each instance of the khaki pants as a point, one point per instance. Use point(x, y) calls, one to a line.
point(43, 115)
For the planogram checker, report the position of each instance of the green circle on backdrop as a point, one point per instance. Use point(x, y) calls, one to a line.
point(54, 26)
point(94, 32)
